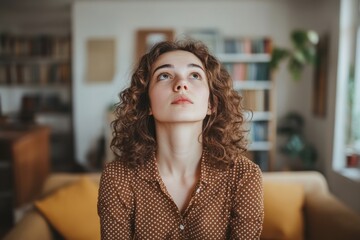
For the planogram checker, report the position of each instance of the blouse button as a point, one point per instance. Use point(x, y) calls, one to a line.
point(198, 190)
point(182, 227)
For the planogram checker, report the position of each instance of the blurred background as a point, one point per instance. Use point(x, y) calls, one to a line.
point(64, 62)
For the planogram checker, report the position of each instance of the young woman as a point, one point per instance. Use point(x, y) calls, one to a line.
point(178, 138)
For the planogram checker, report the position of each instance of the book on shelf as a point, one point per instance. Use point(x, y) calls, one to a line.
point(19, 73)
point(247, 45)
point(229, 67)
point(230, 46)
point(12, 45)
point(259, 131)
point(43, 73)
point(255, 100)
point(262, 71)
point(3, 74)
point(261, 158)
point(241, 71)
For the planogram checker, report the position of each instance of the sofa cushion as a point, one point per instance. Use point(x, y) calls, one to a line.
point(283, 203)
point(72, 210)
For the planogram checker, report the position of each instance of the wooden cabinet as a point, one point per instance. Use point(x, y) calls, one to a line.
point(24, 165)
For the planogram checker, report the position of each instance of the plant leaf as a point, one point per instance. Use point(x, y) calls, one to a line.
point(299, 57)
point(278, 54)
point(299, 38)
point(295, 68)
point(313, 37)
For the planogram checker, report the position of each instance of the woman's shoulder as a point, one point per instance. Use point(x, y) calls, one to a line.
point(115, 184)
point(243, 166)
point(117, 171)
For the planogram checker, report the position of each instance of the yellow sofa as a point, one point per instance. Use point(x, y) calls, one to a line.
point(324, 216)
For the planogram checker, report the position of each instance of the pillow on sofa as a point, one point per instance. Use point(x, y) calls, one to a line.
point(72, 210)
point(283, 206)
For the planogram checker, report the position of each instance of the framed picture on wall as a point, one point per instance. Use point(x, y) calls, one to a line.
point(146, 38)
point(100, 59)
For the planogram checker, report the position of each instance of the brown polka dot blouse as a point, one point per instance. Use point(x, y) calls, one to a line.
point(226, 204)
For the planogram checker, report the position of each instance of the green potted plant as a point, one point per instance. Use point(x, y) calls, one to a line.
point(303, 52)
point(301, 155)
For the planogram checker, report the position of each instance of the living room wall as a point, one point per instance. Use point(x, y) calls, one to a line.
point(273, 18)
point(121, 20)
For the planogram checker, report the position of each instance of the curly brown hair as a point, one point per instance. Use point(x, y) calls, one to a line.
point(134, 137)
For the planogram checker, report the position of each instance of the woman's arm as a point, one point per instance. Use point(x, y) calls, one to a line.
point(248, 205)
point(115, 204)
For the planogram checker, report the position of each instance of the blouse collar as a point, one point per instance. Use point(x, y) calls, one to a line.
point(209, 173)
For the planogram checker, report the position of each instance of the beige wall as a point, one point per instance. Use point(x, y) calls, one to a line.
point(120, 20)
point(274, 18)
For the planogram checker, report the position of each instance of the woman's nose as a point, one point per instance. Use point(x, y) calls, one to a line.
point(180, 85)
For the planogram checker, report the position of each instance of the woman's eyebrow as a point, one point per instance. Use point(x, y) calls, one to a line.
point(162, 66)
point(195, 65)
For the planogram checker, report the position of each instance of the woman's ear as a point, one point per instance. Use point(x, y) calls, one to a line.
point(150, 112)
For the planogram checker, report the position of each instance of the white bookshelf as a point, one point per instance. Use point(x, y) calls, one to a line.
point(242, 57)
point(251, 85)
point(258, 116)
point(242, 67)
point(260, 146)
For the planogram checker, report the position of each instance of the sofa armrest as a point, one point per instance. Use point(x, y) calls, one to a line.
point(31, 227)
point(327, 218)
point(57, 180)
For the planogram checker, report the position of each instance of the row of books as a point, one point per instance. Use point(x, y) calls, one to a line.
point(247, 45)
point(259, 131)
point(248, 71)
point(41, 74)
point(34, 46)
point(261, 158)
point(256, 100)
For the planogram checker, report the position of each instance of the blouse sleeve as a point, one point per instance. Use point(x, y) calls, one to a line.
point(114, 204)
point(248, 206)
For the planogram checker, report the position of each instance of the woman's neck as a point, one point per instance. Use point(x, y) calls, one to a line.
point(179, 149)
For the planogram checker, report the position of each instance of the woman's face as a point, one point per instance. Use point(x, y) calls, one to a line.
point(179, 90)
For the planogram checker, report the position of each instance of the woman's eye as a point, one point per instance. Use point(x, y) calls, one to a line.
point(163, 76)
point(196, 76)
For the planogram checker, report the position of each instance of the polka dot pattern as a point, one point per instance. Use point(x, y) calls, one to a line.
point(226, 203)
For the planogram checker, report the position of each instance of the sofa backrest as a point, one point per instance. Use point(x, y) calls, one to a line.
point(313, 182)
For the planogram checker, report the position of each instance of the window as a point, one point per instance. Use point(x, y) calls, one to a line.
point(347, 116)
point(353, 109)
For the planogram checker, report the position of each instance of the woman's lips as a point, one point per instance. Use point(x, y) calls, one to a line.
point(181, 100)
